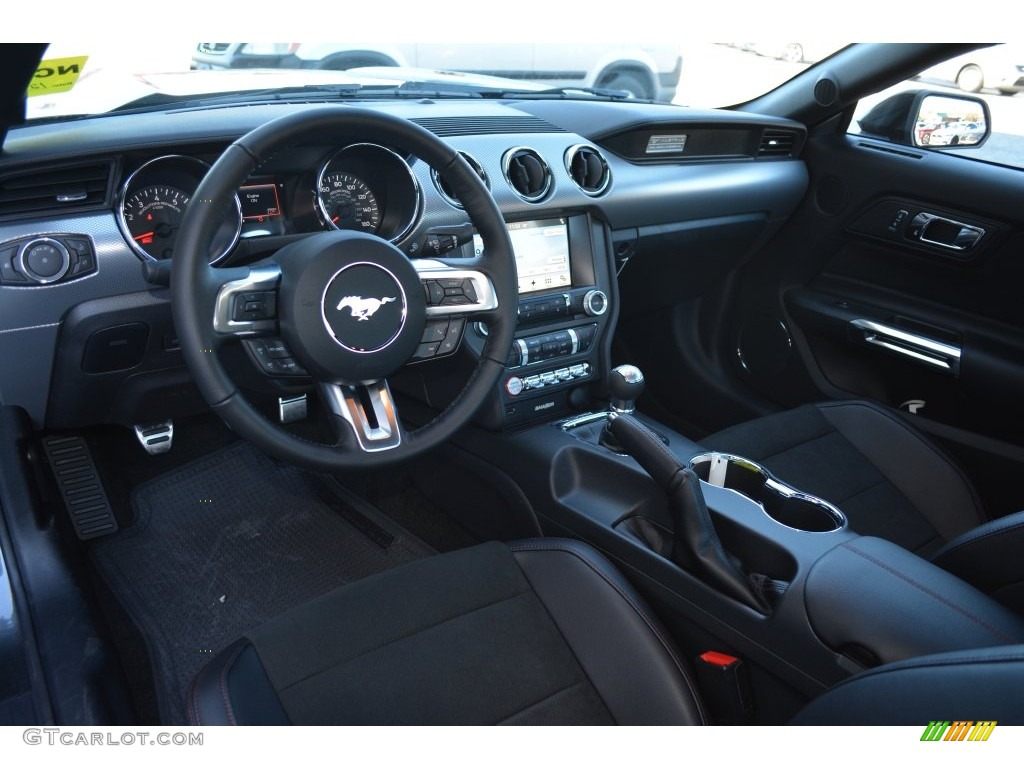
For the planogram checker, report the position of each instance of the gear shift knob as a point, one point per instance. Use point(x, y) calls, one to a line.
point(625, 385)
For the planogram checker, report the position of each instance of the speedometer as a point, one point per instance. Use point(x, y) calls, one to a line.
point(348, 203)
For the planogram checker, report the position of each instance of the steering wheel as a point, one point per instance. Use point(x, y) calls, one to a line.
point(350, 307)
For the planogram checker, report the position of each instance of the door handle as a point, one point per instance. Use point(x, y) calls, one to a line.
point(944, 233)
point(920, 349)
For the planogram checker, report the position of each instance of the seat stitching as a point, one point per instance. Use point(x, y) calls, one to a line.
point(570, 548)
point(194, 715)
point(223, 683)
point(419, 630)
point(194, 709)
point(948, 603)
point(540, 701)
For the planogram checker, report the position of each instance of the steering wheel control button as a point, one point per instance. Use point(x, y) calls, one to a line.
point(274, 358)
point(364, 307)
point(289, 367)
point(249, 307)
point(276, 348)
point(450, 292)
point(452, 338)
point(436, 330)
point(43, 260)
point(435, 293)
point(426, 351)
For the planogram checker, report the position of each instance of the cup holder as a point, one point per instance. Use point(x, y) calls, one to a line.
point(786, 506)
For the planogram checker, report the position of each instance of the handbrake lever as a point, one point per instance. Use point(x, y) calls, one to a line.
point(696, 545)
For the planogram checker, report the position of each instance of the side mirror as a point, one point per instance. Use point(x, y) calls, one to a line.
point(929, 119)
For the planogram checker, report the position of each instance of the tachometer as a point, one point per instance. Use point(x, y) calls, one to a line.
point(153, 217)
point(153, 202)
point(348, 203)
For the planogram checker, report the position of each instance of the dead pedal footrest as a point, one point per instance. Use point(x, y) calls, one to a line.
point(80, 486)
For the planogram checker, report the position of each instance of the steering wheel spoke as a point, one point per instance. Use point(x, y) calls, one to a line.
point(365, 411)
point(455, 289)
point(246, 302)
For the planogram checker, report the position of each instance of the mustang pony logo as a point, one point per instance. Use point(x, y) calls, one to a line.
point(362, 308)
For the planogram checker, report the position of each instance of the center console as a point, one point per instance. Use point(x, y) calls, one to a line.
point(747, 565)
point(566, 314)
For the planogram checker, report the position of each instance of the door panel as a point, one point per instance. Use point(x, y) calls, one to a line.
point(872, 311)
point(877, 312)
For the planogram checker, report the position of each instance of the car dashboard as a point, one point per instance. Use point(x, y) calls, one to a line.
point(609, 204)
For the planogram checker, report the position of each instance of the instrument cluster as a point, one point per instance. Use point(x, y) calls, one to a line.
point(363, 186)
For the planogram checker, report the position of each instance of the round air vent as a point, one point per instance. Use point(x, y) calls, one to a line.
point(446, 191)
point(527, 174)
point(588, 169)
point(826, 91)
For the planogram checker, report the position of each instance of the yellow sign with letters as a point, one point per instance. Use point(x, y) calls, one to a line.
point(56, 75)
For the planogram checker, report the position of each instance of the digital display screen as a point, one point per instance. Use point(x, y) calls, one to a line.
point(542, 254)
point(259, 202)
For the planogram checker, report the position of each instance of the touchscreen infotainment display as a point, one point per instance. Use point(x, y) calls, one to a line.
point(542, 254)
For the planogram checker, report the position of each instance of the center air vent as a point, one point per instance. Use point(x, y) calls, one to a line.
point(527, 174)
point(776, 143)
point(588, 169)
point(446, 191)
point(53, 190)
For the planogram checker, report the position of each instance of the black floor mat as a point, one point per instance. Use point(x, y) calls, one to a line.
point(229, 541)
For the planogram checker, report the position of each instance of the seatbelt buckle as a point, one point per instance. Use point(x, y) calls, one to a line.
point(722, 680)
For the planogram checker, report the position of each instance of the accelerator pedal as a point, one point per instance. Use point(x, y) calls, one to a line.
point(80, 486)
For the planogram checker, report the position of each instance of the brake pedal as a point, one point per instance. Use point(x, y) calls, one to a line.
point(156, 438)
point(80, 487)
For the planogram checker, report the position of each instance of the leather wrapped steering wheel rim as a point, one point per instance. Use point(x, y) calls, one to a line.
point(198, 294)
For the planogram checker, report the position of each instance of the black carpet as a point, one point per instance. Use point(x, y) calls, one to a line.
point(227, 542)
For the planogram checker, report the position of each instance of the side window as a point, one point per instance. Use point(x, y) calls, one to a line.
point(994, 75)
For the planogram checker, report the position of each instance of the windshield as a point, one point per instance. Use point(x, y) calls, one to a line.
point(89, 79)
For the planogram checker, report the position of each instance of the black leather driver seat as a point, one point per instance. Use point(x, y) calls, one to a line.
point(540, 632)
